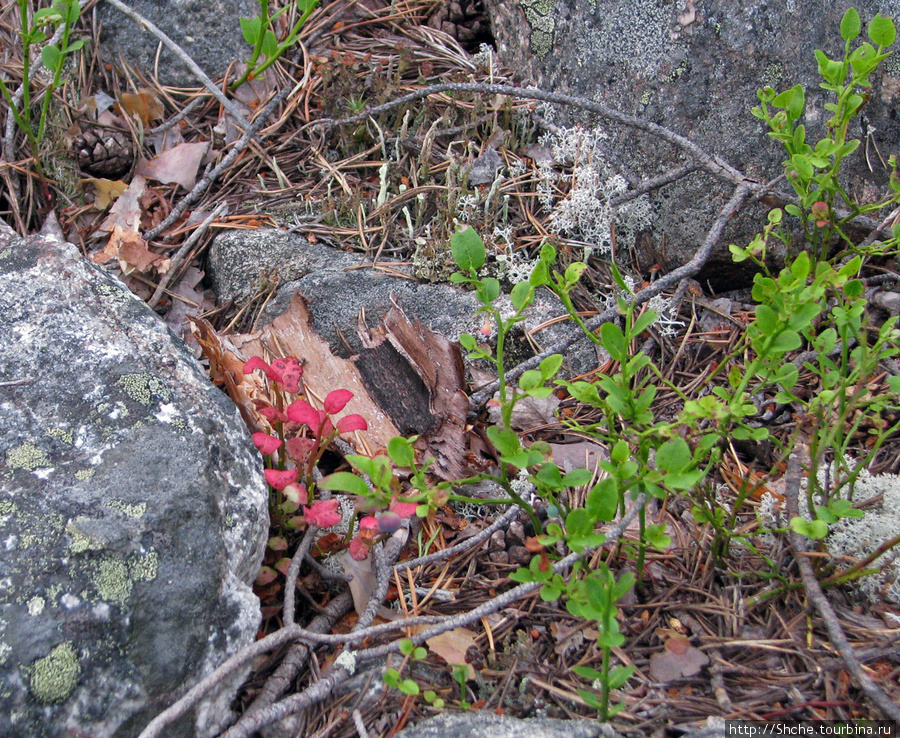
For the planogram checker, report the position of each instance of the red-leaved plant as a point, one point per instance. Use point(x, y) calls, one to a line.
point(302, 433)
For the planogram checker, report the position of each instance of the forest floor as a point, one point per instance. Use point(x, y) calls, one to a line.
point(767, 653)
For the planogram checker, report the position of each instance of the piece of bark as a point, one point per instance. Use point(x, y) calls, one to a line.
point(419, 377)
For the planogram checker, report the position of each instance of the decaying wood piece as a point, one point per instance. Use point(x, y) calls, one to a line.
point(418, 378)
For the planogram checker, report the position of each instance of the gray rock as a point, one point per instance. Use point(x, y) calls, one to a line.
point(695, 67)
point(489, 725)
point(207, 30)
point(241, 260)
point(133, 509)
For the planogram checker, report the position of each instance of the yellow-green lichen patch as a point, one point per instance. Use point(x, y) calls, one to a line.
point(82, 475)
point(115, 577)
point(36, 605)
point(79, 542)
point(5, 649)
point(113, 581)
point(6, 253)
point(145, 568)
point(130, 511)
point(539, 16)
point(7, 507)
point(66, 435)
point(27, 456)
point(53, 678)
point(142, 387)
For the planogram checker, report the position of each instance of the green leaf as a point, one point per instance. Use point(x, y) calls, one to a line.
point(551, 365)
point(850, 25)
point(577, 478)
point(792, 101)
point(406, 646)
point(270, 44)
point(522, 575)
point(401, 451)
point(614, 342)
point(882, 30)
point(530, 380)
point(52, 57)
point(540, 275)
point(673, 456)
point(488, 290)
point(643, 323)
point(467, 341)
point(250, 29)
point(574, 272)
point(408, 686)
point(603, 500)
point(467, 249)
point(505, 441)
point(344, 482)
point(584, 392)
point(787, 340)
point(586, 672)
point(619, 675)
point(521, 295)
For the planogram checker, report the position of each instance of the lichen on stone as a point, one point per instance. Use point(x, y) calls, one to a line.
point(27, 456)
point(131, 511)
point(143, 387)
point(36, 605)
point(54, 677)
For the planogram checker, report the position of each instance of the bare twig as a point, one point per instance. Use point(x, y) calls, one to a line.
point(322, 689)
point(817, 596)
point(185, 59)
point(708, 162)
point(226, 162)
point(689, 269)
point(176, 260)
point(471, 542)
point(290, 584)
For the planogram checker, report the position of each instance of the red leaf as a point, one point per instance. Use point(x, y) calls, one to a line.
point(266, 444)
point(301, 411)
point(337, 400)
point(358, 549)
point(403, 509)
point(323, 513)
point(299, 449)
point(351, 423)
point(291, 371)
point(281, 479)
point(272, 413)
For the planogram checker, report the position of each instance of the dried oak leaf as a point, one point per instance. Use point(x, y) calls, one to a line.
point(453, 645)
point(178, 165)
point(678, 659)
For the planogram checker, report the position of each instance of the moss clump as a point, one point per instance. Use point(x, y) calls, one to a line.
point(53, 678)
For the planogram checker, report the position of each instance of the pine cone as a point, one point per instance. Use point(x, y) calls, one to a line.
point(465, 20)
point(103, 153)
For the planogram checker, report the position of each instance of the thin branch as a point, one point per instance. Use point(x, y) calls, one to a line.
point(710, 163)
point(185, 59)
point(817, 596)
point(471, 542)
point(290, 584)
point(686, 270)
point(322, 689)
point(176, 260)
point(236, 150)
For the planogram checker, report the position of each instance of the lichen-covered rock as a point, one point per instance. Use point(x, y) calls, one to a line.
point(133, 510)
point(694, 66)
point(208, 30)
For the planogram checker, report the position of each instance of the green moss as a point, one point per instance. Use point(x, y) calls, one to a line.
point(27, 456)
point(54, 677)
